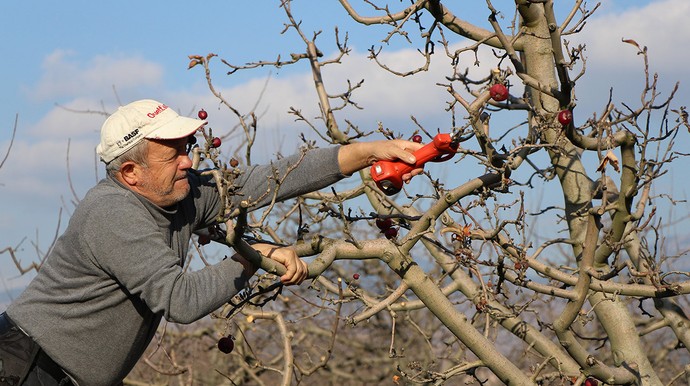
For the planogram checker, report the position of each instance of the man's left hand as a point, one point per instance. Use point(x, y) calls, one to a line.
point(297, 270)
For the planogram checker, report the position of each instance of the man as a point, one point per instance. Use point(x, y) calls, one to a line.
point(96, 302)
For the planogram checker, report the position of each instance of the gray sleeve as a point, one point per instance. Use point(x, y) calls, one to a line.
point(257, 184)
point(288, 177)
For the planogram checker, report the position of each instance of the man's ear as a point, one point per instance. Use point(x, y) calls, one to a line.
point(129, 173)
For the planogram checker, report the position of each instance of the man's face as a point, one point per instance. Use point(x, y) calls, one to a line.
point(164, 180)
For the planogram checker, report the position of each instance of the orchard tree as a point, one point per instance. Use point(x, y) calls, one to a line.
point(446, 281)
point(599, 301)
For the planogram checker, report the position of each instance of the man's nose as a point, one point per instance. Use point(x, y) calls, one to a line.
point(185, 162)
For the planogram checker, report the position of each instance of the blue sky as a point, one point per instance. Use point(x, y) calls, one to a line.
point(87, 55)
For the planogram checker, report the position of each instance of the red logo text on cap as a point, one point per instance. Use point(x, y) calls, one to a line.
point(158, 110)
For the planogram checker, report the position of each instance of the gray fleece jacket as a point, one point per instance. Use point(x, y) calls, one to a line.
point(99, 297)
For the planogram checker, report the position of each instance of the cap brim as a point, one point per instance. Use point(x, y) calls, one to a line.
point(179, 127)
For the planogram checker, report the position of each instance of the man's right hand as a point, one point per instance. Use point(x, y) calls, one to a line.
point(359, 155)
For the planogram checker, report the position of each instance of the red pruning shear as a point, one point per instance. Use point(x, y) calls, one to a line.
point(388, 174)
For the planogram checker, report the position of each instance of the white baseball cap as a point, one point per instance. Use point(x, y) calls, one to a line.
point(138, 120)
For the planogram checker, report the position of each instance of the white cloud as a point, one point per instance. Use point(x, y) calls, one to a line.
point(383, 97)
point(386, 95)
point(36, 168)
point(66, 75)
point(40, 168)
point(662, 26)
point(75, 119)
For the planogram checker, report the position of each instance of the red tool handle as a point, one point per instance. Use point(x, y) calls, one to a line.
point(388, 174)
